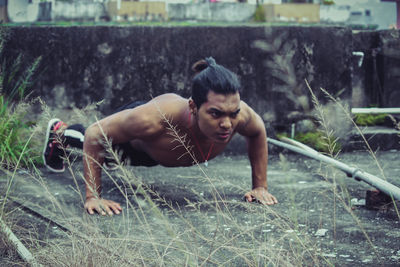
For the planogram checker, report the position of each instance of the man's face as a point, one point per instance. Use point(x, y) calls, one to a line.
point(218, 117)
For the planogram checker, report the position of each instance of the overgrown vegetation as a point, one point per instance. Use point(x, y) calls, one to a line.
point(259, 14)
point(318, 140)
point(16, 145)
point(370, 119)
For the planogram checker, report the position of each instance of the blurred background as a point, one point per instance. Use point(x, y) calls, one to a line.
point(359, 14)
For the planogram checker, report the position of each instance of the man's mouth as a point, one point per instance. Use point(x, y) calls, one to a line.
point(224, 136)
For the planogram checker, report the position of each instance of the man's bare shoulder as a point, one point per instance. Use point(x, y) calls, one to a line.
point(151, 116)
point(246, 113)
point(170, 105)
point(249, 120)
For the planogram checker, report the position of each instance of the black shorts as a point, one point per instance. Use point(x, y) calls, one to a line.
point(126, 152)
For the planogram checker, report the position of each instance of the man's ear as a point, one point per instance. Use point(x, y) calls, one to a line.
point(192, 106)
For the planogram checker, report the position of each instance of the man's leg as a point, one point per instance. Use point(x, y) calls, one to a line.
point(59, 136)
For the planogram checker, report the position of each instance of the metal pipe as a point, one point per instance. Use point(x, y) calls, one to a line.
point(23, 252)
point(375, 110)
point(356, 173)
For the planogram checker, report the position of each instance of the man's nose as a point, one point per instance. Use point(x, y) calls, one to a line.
point(225, 123)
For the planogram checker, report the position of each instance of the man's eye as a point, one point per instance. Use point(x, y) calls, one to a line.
point(215, 114)
point(234, 115)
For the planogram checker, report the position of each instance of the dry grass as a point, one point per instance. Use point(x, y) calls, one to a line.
point(152, 231)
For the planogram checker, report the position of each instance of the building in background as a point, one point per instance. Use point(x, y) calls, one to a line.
point(3, 11)
point(370, 14)
point(397, 11)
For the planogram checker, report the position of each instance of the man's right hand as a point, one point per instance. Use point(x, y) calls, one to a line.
point(102, 206)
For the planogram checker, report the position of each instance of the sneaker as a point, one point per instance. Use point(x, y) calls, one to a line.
point(53, 149)
point(110, 164)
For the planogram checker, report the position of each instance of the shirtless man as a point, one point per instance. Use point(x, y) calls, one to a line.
point(208, 119)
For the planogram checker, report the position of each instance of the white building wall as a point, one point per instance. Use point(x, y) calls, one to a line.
point(382, 14)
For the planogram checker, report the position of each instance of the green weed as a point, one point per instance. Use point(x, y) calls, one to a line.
point(318, 140)
point(15, 129)
point(259, 15)
point(369, 119)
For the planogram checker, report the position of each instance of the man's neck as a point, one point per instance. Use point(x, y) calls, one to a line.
point(195, 130)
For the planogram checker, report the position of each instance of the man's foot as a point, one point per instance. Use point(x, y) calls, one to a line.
point(53, 149)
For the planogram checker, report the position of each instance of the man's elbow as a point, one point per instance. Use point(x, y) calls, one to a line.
point(93, 136)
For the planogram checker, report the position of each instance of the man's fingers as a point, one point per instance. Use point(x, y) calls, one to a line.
point(112, 207)
point(272, 200)
point(262, 197)
point(108, 210)
point(116, 208)
point(90, 210)
point(248, 197)
point(103, 207)
point(99, 209)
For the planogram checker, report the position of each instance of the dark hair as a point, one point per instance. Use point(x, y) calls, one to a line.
point(211, 76)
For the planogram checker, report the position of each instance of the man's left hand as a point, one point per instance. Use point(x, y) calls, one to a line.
point(262, 195)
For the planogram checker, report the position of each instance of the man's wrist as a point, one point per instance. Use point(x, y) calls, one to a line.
point(258, 186)
point(92, 196)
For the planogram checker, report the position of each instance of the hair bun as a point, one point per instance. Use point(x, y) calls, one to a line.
point(203, 64)
point(211, 62)
point(199, 66)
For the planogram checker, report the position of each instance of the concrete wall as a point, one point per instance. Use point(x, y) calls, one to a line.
point(82, 65)
point(364, 12)
point(26, 11)
point(80, 10)
point(3, 11)
point(292, 12)
point(226, 12)
point(389, 68)
point(22, 11)
point(377, 81)
point(138, 11)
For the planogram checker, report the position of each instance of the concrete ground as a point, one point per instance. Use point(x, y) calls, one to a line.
point(198, 215)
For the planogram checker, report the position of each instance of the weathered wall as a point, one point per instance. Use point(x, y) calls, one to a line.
point(379, 75)
point(226, 12)
point(26, 11)
point(138, 11)
point(3, 11)
point(390, 63)
point(82, 65)
point(65, 11)
point(292, 12)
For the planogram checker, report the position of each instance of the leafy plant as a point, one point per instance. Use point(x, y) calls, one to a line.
point(317, 140)
point(369, 119)
point(328, 2)
point(259, 15)
point(16, 147)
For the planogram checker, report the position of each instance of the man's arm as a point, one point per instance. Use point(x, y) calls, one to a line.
point(255, 133)
point(92, 161)
point(127, 125)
